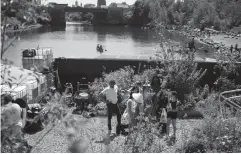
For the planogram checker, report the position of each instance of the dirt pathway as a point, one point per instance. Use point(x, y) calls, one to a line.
point(95, 131)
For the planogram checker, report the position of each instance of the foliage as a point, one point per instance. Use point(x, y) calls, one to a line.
point(179, 75)
point(209, 107)
point(227, 70)
point(77, 16)
point(88, 16)
point(221, 14)
point(113, 5)
point(55, 111)
point(24, 14)
point(143, 138)
point(216, 135)
point(89, 5)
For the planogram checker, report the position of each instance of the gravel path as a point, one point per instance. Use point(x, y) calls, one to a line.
point(95, 130)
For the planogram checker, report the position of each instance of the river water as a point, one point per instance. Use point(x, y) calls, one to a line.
point(80, 41)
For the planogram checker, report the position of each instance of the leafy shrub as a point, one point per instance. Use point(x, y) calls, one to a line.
point(209, 107)
point(194, 145)
point(215, 135)
point(143, 138)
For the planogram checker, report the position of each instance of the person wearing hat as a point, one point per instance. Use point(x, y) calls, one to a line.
point(110, 96)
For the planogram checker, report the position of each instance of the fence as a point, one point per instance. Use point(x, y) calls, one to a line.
point(231, 99)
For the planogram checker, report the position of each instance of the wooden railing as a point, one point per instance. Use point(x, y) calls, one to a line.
point(229, 100)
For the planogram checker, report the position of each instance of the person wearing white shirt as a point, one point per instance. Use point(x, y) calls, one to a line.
point(110, 96)
point(128, 116)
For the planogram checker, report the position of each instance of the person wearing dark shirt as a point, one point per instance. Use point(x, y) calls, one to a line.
point(231, 49)
point(159, 100)
point(236, 47)
point(156, 84)
point(191, 45)
point(162, 101)
point(172, 113)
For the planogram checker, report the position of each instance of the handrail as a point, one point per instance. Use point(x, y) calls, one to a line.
point(228, 100)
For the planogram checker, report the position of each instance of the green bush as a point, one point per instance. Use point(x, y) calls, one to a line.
point(215, 135)
point(194, 145)
point(210, 107)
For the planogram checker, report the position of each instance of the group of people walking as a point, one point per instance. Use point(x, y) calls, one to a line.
point(163, 106)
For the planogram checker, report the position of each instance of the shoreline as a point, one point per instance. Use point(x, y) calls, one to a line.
point(218, 41)
point(25, 28)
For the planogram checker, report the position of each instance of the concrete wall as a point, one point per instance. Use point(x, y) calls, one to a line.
point(72, 70)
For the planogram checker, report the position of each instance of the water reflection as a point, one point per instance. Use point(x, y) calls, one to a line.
point(80, 41)
point(58, 28)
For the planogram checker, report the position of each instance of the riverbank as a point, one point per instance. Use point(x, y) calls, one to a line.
point(216, 42)
point(23, 28)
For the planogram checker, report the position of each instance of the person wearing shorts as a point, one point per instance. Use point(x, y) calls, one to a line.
point(172, 113)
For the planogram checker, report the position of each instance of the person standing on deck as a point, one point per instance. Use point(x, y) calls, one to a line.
point(110, 96)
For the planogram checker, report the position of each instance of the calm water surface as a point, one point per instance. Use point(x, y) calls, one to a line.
point(79, 41)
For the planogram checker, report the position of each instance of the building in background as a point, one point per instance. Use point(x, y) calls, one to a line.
point(76, 3)
point(101, 3)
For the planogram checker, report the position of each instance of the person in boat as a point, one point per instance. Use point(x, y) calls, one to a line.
point(99, 48)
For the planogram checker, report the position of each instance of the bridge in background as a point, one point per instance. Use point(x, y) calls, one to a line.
point(81, 9)
point(101, 15)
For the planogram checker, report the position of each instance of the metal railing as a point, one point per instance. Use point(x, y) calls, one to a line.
point(229, 100)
